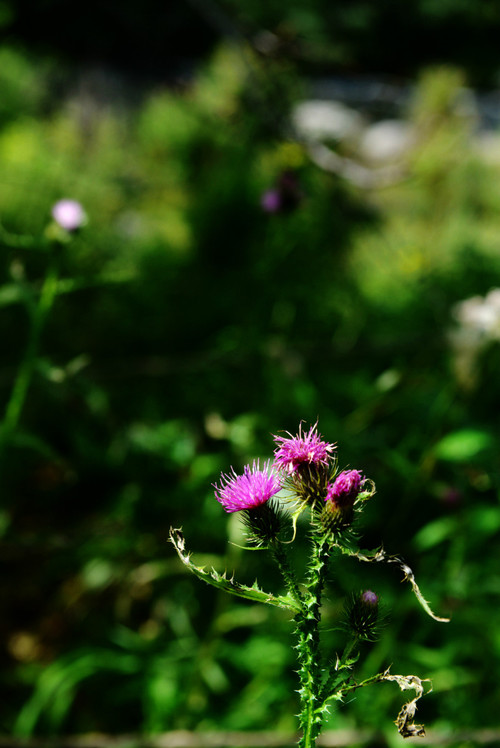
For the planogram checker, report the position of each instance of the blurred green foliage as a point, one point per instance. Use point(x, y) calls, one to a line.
point(188, 326)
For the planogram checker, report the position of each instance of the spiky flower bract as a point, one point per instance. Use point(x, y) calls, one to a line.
point(293, 453)
point(252, 489)
point(263, 523)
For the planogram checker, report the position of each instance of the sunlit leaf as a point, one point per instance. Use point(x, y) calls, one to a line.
point(463, 445)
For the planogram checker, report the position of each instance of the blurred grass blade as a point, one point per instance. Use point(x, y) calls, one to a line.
point(56, 687)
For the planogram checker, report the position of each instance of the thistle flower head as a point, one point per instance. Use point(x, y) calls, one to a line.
point(69, 214)
point(344, 490)
point(369, 598)
point(294, 452)
point(252, 489)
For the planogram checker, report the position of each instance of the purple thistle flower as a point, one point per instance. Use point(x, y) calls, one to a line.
point(345, 488)
point(247, 491)
point(296, 451)
point(69, 214)
point(271, 201)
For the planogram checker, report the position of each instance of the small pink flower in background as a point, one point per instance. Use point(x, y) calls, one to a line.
point(69, 214)
point(271, 201)
point(247, 491)
point(285, 196)
point(295, 451)
point(345, 488)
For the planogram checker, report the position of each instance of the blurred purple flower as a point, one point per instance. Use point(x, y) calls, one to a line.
point(285, 196)
point(271, 201)
point(247, 491)
point(69, 214)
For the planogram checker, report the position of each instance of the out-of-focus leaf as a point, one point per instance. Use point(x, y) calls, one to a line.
point(462, 445)
point(485, 520)
point(10, 293)
point(435, 532)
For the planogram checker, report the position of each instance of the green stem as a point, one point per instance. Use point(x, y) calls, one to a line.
point(311, 715)
point(38, 316)
point(281, 557)
point(318, 569)
point(310, 719)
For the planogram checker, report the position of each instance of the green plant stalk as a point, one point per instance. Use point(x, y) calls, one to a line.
point(281, 558)
point(39, 314)
point(312, 710)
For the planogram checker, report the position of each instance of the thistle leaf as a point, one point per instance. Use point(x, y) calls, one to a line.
point(405, 720)
point(408, 576)
point(221, 581)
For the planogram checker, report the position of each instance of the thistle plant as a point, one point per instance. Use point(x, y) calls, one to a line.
point(68, 217)
point(304, 480)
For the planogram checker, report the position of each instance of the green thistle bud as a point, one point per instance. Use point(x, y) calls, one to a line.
point(362, 615)
point(335, 519)
point(338, 511)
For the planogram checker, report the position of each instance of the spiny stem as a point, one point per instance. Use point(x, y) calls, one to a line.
point(311, 715)
point(318, 568)
point(287, 572)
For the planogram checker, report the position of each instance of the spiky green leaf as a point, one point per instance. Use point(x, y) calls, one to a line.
point(230, 585)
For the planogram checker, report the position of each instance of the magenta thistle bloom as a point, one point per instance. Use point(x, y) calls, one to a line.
point(346, 487)
point(303, 449)
point(247, 491)
point(69, 214)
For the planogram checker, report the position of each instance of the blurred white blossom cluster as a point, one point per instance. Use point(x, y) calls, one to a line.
point(478, 325)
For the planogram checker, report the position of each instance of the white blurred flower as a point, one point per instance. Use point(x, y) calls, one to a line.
point(317, 120)
point(69, 214)
point(478, 321)
point(481, 315)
